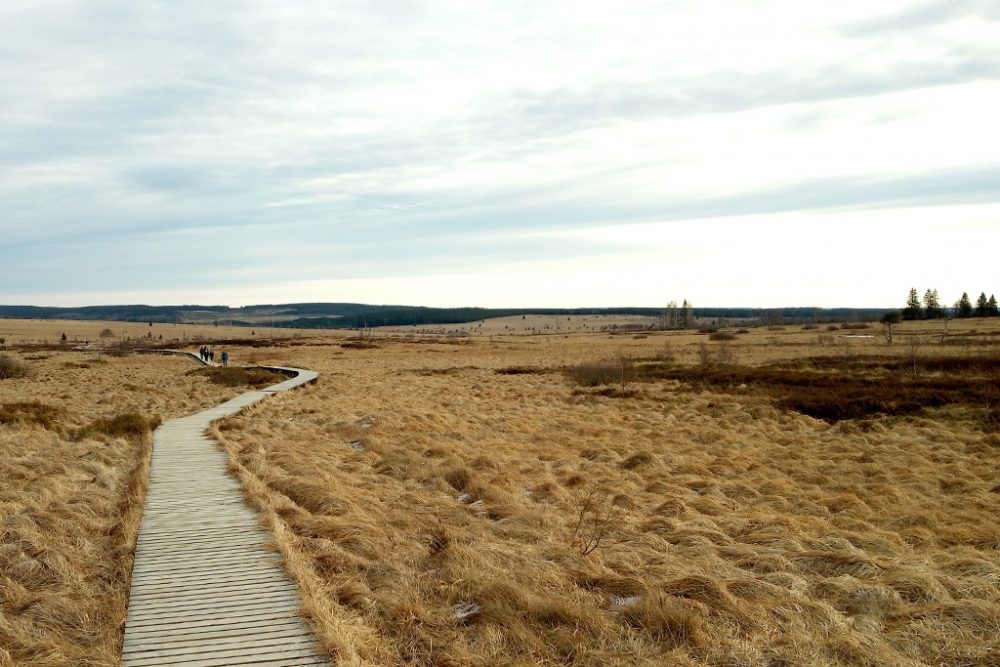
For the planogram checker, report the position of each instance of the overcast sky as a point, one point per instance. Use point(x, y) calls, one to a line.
point(537, 153)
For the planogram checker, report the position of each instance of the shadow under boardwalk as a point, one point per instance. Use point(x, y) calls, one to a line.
point(204, 591)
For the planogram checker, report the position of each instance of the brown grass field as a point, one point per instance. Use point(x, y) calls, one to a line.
point(788, 497)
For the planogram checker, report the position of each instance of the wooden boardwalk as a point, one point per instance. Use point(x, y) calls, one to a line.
point(204, 592)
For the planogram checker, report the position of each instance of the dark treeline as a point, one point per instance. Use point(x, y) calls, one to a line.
point(931, 308)
point(358, 315)
point(126, 313)
point(418, 315)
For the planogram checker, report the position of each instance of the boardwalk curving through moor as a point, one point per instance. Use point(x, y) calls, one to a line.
point(204, 591)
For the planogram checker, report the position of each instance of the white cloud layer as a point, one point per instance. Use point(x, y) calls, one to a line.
point(546, 153)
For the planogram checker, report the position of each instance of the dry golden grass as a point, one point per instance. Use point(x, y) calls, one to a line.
point(439, 504)
point(74, 453)
point(461, 502)
point(79, 331)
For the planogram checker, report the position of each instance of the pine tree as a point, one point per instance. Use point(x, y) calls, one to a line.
point(982, 305)
point(964, 307)
point(913, 311)
point(991, 307)
point(932, 305)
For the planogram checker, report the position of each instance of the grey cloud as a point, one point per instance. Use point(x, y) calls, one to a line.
point(532, 210)
point(934, 13)
point(730, 92)
point(143, 137)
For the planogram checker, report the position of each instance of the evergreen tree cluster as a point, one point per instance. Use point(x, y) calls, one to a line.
point(930, 308)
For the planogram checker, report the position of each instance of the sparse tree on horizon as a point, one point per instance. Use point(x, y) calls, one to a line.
point(991, 307)
point(982, 306)
point(932, 305)
point(889, 319)
point(913, 310)
point(670, 316)
point(964, 306)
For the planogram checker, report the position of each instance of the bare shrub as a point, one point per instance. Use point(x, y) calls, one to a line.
point(122, 348)
point(725, 354)
point(107, 333)
point(597, 520)
point(704, 354)
point(11, 368)
point(666, 354)
point(722, 335)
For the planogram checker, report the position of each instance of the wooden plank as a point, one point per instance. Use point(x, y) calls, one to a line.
point(159, 636)
point(235, 578)
point(241, 587)
point(180, 646)
point(211, 622)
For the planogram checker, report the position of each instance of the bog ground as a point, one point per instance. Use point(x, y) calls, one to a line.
point(790, 496)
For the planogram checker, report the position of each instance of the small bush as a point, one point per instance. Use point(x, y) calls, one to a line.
point(708, 330)
point(11, 368)
point(238, 376)
point(608, 371)
point(722, 335)
point(24, 413)
point(128, 425)
point(666, 354)
point(832, 327)
point(359, 344)
point(107, 333)
point(725, 355)
point(743, 331)
point(855, 325)
point(809, 327)
point(122, 348)
point(521, 370)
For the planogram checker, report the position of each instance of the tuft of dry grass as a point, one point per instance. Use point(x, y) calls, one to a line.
point(128, 425)
point(28, 413)
point(11, 368)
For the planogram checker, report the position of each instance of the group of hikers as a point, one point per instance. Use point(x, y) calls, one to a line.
point(208, 355)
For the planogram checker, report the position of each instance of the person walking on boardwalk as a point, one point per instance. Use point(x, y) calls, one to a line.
point(225, 358)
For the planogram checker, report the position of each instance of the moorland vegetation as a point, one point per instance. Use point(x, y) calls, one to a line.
point(808, 494)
